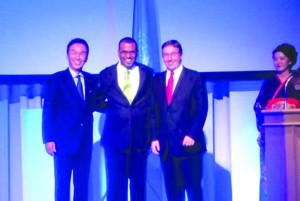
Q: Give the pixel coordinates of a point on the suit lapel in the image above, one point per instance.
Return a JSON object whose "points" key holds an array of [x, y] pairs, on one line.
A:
{"points": [[88, 83], [179, 86], [162, 82], [114, 79], [71, 84], [141, 82], [142, 78], [115, 86]]}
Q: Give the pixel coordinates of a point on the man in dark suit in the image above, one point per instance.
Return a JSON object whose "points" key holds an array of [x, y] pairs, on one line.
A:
{"points": [[125, 89], [68, 123], [180, 108]]}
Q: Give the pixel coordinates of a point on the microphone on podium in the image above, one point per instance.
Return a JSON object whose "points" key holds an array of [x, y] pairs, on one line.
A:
{"points": [[285, 94]]}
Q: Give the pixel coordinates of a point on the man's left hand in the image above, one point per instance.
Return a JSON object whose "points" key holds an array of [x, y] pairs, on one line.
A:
{"points": [[188, 141]]}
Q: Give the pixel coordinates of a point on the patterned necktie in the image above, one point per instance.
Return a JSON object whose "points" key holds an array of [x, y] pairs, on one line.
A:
{"points": [[127, 86], [169, 88], [79, 86]]}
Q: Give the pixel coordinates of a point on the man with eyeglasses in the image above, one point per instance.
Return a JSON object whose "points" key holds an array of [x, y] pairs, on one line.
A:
{"points": [[180, 108], [125, 88]]}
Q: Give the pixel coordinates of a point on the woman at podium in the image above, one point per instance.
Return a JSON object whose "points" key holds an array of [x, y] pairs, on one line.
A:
{"points": [[282, 91]]}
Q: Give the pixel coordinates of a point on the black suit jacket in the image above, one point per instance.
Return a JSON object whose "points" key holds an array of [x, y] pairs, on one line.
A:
{"points": [[67, 118], [126, 125], [185, 115]]}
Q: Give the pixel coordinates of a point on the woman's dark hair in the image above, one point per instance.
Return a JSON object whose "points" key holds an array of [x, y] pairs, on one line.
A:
{"points": [[289, 51]]}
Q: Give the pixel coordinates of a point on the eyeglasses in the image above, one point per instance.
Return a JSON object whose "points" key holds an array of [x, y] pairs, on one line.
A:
{"points": [[127, 52], [172, 54]]}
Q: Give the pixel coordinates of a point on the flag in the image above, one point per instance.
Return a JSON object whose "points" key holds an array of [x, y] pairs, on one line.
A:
{"points": [[146, 34]]}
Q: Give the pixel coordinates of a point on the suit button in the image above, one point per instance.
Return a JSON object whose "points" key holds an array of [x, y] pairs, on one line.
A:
{"points": [[81, 125]]}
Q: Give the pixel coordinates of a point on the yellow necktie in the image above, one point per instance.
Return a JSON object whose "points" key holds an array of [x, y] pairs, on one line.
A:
{"points": [[127, 86]]}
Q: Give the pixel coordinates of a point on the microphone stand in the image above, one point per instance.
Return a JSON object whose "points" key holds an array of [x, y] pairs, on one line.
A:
{"points": [[285, 94]]}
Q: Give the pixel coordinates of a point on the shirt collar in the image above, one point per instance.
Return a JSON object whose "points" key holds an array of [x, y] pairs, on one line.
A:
{"points": [[123, 68], [74, 74], [177, 71]]}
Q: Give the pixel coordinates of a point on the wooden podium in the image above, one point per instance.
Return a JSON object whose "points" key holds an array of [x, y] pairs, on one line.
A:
{"points": [[282, 139]]}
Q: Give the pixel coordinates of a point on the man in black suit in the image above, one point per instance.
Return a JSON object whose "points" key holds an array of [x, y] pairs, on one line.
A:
{"points": [[68, 123], [125, 89], [180, 108]]}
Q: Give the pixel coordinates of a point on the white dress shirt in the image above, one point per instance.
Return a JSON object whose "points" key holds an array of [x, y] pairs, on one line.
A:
{"points": [[74, 74], [134, 77], [176, 76]]}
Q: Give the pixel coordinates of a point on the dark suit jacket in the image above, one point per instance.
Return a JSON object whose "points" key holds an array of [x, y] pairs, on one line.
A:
{"points": [[67, 118], [126, 126], [185, 115]]}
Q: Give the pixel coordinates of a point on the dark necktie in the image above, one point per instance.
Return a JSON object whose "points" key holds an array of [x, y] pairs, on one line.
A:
{"points": [[169, 88], [79, 86]]}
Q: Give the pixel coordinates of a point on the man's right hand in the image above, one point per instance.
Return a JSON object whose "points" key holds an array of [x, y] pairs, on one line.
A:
{"points": [[50, 148]]}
